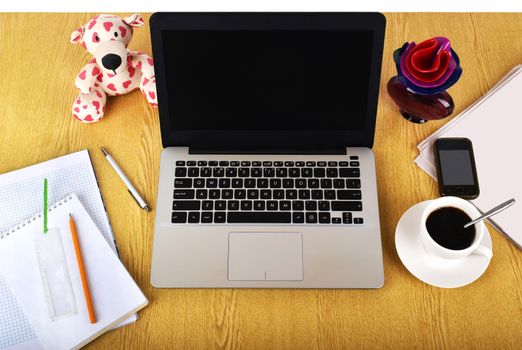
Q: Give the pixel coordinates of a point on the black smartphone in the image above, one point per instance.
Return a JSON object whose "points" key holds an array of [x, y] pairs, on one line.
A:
{"points": [[456, 170]]}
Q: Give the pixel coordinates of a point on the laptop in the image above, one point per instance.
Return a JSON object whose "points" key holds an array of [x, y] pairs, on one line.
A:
{"points": [[267, 177]]}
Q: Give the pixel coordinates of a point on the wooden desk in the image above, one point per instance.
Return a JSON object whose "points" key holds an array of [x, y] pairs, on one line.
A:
{"points": [[37, 70]]}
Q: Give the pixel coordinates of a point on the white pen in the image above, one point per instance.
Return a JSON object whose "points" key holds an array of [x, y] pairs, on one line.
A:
{"points": [[126, 181]]}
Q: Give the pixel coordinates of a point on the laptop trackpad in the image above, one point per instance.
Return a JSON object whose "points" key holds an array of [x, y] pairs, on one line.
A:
{"points": [[265, 256]]}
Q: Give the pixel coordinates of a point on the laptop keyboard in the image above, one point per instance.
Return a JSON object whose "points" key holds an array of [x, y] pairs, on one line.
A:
{"points": [[267, 192]]}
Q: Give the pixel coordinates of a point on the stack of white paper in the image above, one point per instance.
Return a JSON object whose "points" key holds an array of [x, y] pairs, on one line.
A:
{"points": [[494, 125]]}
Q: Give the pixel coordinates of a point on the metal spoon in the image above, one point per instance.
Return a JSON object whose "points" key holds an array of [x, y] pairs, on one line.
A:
{"points": [[489, 213]]}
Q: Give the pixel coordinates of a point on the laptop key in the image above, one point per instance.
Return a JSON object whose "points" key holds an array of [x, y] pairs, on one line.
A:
{"points": [[343, 164], [306, 172], [231, 172], [304, 194], [213, 163], [353, 183], [193, 172], [244, 172], [300, 183], [266, 194], [218, 172], [233, 205], [246, 205], [324, 218], [358, 221], [336, 220], [322, 164], [347, 206], [354, 157], [207, 205], [278, 194], [347, 218], [298, 205], [220, 217], [224, 183], [182, 183], [254, 217], [288, 183], [338, 183], [245, 163], [294, 172], [349, 172], [227, 194], [221, 205], [234, 163], [332, 172], [284, 205], [206, 172], [191, 163], [259, 205], [201, 194], [319, 172], [281, 172], [250, 183], [202, 163], [311, 205], [256, 172], [180, 172], [212, 183], [317, 194], [253, 194], [179, 217], [256, 163], [223, 163], [354, 164], [237, 183], [329, 194], [183, 194], [239, 194], [326, 183], [324, 206], [193, 217], [180, 163], [268, 172], [348, 194], [291, 194], [313, 183], [311, 218], [271, 205], [262, 183], [214, 194], [206, 217], [199, 183], [298, 218], [275, 183]]}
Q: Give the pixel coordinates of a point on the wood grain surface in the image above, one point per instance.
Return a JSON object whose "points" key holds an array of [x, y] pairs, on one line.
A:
{"points": [[37, 70]]}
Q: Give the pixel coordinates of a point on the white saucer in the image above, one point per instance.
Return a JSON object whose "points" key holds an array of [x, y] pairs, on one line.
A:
{"points": [[430, 269]]}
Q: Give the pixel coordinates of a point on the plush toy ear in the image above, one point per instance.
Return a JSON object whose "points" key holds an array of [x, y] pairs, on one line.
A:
{"points": [[77, 35], [134, 20]]}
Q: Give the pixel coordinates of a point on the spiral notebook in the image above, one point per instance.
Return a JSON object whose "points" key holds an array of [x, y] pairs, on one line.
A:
{"points": [[21, 197], [42, 273]]}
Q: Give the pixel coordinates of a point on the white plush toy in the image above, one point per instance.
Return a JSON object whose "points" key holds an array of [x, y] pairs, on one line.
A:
{"points": [[114, 70]]}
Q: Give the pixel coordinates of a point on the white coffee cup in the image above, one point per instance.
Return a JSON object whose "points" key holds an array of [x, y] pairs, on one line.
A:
{"points": [[436, 249]]}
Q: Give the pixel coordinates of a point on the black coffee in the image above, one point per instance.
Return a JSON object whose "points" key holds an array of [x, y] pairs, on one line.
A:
{"points": [[446, 227]]}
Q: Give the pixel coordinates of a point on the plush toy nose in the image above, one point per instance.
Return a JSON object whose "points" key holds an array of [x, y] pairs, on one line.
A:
{"points": [[111, 61]]}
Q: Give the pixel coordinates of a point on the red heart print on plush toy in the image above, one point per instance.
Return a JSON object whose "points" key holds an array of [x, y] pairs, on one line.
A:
{"points": [[114, 70]]}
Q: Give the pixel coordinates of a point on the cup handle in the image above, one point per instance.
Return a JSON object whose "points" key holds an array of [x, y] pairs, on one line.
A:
{"points": [[485, 251]]}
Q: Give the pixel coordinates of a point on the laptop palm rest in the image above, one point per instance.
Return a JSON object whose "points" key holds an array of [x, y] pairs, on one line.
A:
{"points": [[255, 256]]}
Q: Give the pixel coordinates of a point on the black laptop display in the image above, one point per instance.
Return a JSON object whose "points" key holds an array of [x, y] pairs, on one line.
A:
{"points": [[249, 83]]}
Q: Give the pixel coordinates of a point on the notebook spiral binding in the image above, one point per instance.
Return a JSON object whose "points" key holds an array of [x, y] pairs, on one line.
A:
{"points": [[6, 234]]}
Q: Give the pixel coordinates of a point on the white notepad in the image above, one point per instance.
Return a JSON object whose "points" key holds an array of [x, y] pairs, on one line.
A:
{"points": [[65, 324], [494, 126]]}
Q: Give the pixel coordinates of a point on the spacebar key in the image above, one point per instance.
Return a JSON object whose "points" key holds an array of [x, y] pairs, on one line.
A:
{"points": [[258, 218]]}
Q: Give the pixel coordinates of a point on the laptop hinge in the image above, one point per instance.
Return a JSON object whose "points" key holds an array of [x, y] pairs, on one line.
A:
{"points": [[214, 150]]}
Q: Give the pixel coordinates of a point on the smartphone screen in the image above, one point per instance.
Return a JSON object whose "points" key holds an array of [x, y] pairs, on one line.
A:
{"points": [[456, 169]]}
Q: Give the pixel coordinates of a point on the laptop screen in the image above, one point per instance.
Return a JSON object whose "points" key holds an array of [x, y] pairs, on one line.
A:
{"points": [[261, 80]]}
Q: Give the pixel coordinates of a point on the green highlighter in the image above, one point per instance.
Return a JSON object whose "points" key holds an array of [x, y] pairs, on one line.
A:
{"points": [[45, 206]]}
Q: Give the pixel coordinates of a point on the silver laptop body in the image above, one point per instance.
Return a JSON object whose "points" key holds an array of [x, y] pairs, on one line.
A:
{"points": [[252, 211]]}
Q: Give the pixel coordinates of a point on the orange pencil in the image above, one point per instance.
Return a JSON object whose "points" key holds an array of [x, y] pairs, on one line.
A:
{"points": [[83, 275]]}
